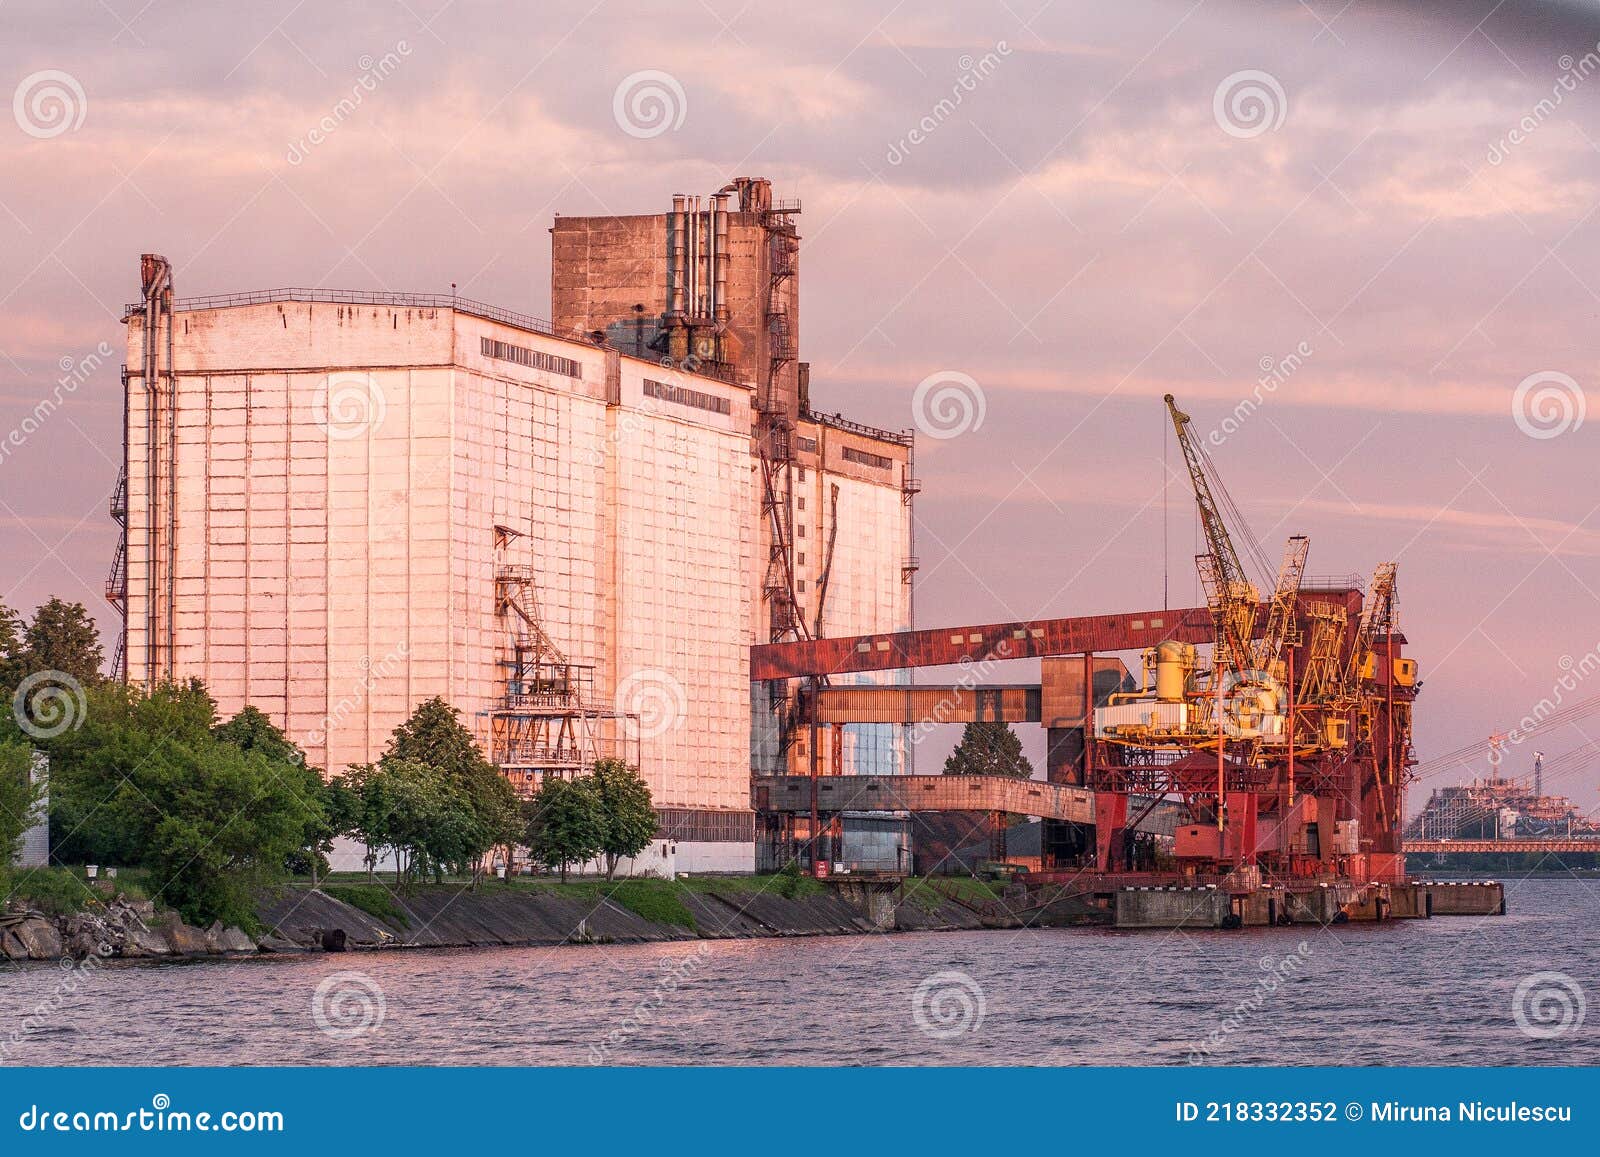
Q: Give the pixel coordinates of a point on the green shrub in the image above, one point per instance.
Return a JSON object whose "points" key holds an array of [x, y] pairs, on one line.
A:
{"points": [[373, 899], [54, 891], [654, 900]]}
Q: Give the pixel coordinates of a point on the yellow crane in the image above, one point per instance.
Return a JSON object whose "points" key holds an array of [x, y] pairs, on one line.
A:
{"points": [[1231, 595]]}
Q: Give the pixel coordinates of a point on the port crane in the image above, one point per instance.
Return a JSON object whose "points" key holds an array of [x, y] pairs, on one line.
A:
{"points": [[1278, 756]]}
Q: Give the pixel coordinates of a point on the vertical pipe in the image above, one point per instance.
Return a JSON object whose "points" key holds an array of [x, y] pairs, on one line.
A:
{"points": [[151, 501], [1291, 726], [694, 256], [677, 251], [719, 235], [1221, 746], [156, 278], [1088, 717], [816, 834], [1389, 684], [172, 484]]}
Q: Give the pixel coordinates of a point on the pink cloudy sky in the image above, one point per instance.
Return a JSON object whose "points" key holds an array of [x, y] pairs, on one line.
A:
{"points": [[1080, 235]]}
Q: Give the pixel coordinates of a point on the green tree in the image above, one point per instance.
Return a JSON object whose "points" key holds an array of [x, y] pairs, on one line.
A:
{"points": [[412, 810], [146, 782], [62, 637], [341, 810], [627, 813], [12, 648], [989, 749], [435, 736], [564, 824], [251, 730]]}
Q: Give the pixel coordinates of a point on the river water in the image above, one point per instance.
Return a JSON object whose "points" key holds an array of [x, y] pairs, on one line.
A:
{"points": [[1413, 992]]}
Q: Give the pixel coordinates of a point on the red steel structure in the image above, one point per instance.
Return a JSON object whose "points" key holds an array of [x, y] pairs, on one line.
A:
{"points": [[1329, 804], [1285, 750], [954, 646]]}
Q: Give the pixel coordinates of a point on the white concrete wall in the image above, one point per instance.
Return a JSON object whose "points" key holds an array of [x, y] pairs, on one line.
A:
{"points": [[34, 849], [340, 472], [866, 593]]}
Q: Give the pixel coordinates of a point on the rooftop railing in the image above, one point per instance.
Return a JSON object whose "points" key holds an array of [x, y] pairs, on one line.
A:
{"points": [[362, 297]]}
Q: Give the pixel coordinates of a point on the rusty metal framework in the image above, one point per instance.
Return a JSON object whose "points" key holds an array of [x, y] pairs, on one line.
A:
{"points": [[547, 722], [1285, 751]]}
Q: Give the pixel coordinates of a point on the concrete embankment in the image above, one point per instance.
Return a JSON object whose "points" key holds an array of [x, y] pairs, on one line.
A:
{"points": [[298, 919], [1326, 903], [369, 916], [303, 919]]}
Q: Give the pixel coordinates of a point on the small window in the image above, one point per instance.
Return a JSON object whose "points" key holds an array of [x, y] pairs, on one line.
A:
{"points": [[682, 396], [802, 473], [802, 559], [802, 586], [802, 501], [801, 530], [533, 359], [863, 458]]}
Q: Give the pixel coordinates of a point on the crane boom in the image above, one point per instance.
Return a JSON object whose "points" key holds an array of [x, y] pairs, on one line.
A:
{"points": [[1231, 594], [1377, 617], [1281, 615]]}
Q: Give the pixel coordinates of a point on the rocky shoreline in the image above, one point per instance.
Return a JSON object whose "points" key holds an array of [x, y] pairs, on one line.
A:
{"points": [[125, 929]]}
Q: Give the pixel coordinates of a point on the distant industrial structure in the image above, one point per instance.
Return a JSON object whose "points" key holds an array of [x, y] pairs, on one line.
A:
{"points": [[1501, 809], [337, 505]]}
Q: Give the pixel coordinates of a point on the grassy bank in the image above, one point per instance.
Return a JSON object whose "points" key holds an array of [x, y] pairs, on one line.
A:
{"points": [[66, 891]]}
